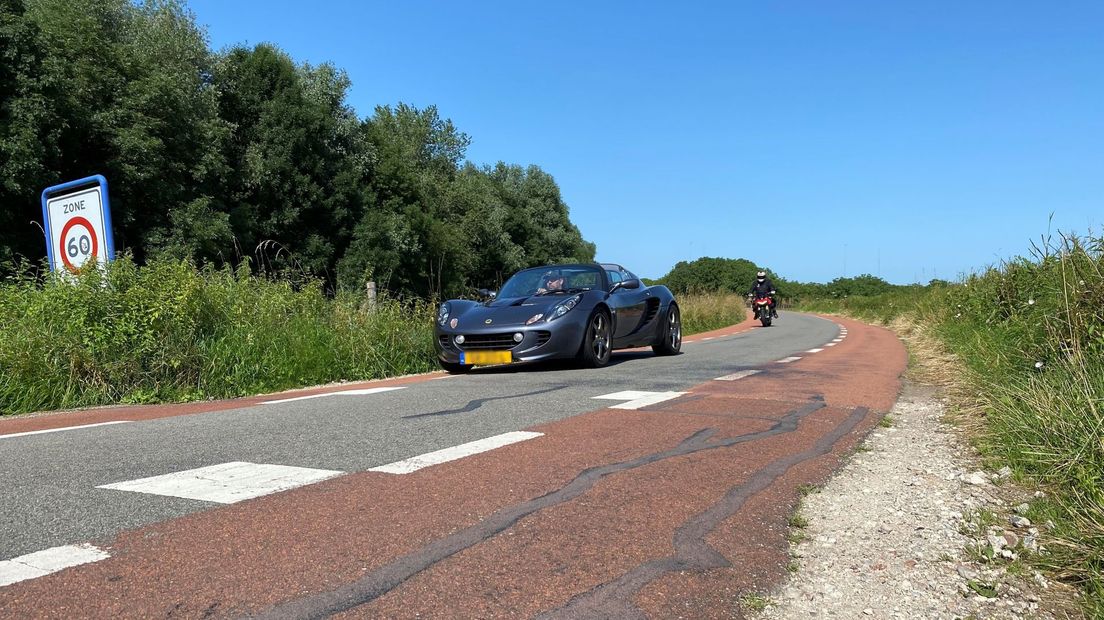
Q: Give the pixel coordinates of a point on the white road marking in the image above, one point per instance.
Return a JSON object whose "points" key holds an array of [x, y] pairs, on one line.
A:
{"points": [[738, 375], [226, 483], [42, 563], [814, 350], [708, 338], [636, 399], [67, 428], [831, 344], [838, 340], [456, 452], [363, 392], [787, 360]]}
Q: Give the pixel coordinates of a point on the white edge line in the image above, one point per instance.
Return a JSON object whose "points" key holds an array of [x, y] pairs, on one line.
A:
{"points": [[787, 360], [445, 455], [646, 401], [47, 561], [831, 344], [362, 392], [66, 428], [814, 350]]}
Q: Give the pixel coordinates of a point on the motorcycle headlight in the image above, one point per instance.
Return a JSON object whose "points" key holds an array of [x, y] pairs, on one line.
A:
{"points": [[563, 307], [443, 313]]}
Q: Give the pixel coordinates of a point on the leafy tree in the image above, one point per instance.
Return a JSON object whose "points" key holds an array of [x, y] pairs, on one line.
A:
{"points": [[106, 86], [538, 219], [406, 237], [714, 274], [297, 155], [864, 285]]}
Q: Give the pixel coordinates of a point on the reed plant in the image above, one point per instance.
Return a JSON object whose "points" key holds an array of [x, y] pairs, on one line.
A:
{"points": [[702, 312]]}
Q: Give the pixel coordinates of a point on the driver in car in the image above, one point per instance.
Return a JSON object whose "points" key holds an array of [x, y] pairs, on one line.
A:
{"points": [[552, 282]]}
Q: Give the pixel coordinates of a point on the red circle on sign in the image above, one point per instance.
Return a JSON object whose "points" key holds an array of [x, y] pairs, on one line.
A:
{"points": [[76, 221]]}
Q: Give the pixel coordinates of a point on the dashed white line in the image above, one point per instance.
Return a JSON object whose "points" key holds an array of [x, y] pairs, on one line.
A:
{"points": [[831, 344], [363, 392], [42, 563], [637, 399], [814, 350], [415, 463], [787, 360], [708, 338], [226, 483], [58, 430], [738, 375]]}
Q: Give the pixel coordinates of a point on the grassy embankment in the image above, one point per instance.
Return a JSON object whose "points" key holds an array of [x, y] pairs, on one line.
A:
{"points": [[171, 332], [1023, 350]]}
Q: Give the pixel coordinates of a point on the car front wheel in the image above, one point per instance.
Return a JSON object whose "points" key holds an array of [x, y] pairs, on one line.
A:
{"points": [[596, 341]]}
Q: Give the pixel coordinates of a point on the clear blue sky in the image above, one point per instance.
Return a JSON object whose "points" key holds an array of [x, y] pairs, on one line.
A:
{"points": [[902, 139]]}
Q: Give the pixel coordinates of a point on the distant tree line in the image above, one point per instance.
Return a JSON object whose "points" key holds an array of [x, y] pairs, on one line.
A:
{"points": [[736, 276], [244, 154]]}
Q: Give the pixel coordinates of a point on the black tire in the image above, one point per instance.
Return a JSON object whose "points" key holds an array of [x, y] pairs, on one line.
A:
{"points": [[595, 351], [765, 318], [454, 369], [670, 342]]}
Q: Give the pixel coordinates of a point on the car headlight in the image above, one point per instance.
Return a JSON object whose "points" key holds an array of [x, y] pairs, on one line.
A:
{"points": [[443, 313], [563, 307]]}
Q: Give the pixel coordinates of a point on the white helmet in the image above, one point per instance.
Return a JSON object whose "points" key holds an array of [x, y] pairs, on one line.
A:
{"points": [[761, 275]]}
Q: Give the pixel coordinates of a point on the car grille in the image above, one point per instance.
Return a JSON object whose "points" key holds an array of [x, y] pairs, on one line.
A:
{"points": [[653, 309], [488, 341], [501, 341], [444, 339]]}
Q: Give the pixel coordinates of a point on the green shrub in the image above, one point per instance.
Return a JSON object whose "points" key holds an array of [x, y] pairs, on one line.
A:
{"points": [[171, 331]]}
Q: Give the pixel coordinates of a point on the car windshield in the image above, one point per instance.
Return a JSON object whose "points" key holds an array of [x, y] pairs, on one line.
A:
{"points": [[551, 280]]}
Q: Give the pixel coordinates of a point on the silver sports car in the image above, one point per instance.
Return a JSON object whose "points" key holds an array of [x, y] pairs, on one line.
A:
{"points": [[579, 311]]}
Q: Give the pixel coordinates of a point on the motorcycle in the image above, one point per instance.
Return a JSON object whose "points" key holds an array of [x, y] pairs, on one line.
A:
{"points": [[762, 308]]}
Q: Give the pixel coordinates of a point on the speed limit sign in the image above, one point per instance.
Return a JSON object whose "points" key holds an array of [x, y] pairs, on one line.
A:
{"points": [[78, 223]]}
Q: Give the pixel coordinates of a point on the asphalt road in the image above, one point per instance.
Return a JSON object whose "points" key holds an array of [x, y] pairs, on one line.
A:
{"points": [[49, 493]]}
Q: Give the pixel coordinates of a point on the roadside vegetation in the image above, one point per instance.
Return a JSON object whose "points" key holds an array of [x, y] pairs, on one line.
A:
{"points": [[1023, 346], [170, 331], [702, 312]]}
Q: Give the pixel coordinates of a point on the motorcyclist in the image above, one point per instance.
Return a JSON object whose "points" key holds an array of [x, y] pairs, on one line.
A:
{"points": [[763, 287]]}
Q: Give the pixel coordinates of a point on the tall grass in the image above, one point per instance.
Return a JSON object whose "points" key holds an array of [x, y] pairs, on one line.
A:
{"points": [[702, 312], [170, 331], [1029, 334]]}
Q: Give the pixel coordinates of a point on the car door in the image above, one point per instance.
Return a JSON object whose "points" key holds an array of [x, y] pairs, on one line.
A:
{"points": [[627, 304]]}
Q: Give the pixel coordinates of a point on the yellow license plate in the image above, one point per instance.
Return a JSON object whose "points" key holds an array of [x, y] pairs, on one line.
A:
{"points": [[474, 358]]}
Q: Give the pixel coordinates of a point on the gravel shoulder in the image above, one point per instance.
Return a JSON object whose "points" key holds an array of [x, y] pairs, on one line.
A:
{"points": [[911, 527]]}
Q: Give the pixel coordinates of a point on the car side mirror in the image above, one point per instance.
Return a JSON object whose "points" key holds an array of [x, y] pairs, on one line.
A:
{"points": [[629, 284]]}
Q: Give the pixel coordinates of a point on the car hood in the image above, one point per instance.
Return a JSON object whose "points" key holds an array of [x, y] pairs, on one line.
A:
{"points": [[509, 311]]}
